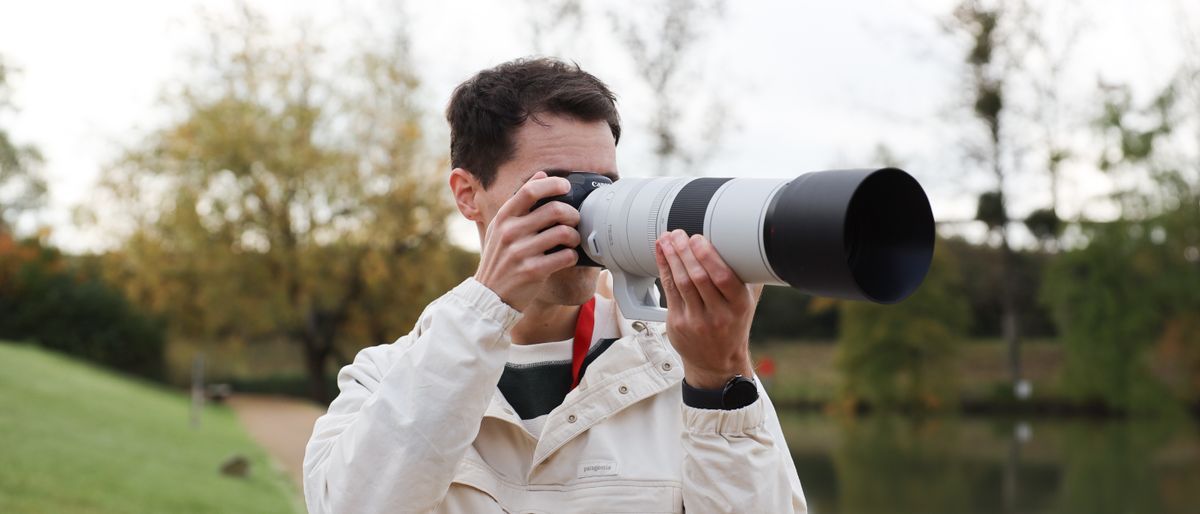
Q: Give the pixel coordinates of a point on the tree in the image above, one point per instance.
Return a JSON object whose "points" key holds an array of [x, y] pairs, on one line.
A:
{"points": [[661, 40], [292, 197], [59, 303], [902, 355], [22, 188], [661, 43], [1006, 58], [1132, 287]]}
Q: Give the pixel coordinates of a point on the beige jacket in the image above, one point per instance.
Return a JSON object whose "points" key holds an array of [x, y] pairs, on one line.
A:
{"points": [[420, 426]]}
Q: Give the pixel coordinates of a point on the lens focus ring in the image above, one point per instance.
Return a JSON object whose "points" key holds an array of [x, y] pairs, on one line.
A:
{"points": [[691, 204]]}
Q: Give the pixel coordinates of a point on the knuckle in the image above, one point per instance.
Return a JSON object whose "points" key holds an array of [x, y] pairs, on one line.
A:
{"points": [[572, 237], [527, 269], [525, 193], [560, 233], [562, 210], [507, 235]]}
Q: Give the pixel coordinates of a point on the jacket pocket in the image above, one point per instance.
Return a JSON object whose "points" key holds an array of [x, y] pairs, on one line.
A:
{"points": [[606, 497]]}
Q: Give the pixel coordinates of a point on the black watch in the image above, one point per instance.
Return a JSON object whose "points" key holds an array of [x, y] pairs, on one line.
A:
{"points": [[738, 392]]}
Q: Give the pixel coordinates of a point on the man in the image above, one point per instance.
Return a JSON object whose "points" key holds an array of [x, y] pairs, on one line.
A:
{"points": [[522, 389]]}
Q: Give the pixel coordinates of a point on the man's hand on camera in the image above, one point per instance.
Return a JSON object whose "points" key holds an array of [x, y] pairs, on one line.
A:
{"points": [[709, 310], [513, 262]]}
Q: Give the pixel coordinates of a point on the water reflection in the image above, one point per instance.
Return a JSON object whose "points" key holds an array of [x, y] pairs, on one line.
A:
{"points": [[895, 464]]}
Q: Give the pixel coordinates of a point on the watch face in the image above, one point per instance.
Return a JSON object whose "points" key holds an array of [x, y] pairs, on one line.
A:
{"points": [[740, 393]]}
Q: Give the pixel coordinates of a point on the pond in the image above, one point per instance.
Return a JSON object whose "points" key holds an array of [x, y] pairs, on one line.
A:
{"points": [[894, 464]]}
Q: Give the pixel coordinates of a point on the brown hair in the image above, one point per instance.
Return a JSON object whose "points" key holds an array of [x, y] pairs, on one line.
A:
{"points": [[486, 110]]}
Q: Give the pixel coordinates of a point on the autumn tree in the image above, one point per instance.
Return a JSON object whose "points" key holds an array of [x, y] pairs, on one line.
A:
{"points": [[22, 188], [292, 196]]}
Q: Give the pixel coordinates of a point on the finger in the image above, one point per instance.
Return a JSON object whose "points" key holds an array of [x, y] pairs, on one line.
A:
{"points": [[664, 273], [679, 275], [545, 264], [539, 243], [537, 187], [723, 277], [516, 229], [696, 271], [553, 213]]}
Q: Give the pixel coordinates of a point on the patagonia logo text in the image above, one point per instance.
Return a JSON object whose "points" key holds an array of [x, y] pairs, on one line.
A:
{"points": [[597, 468]]}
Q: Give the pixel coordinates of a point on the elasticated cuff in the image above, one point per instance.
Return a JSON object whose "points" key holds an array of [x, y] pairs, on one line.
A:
{"points": [[478, 297], [724, 422]]}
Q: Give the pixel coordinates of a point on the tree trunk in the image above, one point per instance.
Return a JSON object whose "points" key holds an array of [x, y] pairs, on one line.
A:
{"points": [[315, 358], [1010, 325]]}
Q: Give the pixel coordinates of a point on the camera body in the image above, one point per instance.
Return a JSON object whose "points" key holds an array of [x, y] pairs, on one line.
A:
{"points": [[582, 185]]}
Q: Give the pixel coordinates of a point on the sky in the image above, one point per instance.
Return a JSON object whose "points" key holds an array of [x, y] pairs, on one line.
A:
{"points": [[810, 85]]}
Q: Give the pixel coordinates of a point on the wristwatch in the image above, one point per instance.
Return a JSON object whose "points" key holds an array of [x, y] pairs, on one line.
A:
{"points": [[738, 392]]}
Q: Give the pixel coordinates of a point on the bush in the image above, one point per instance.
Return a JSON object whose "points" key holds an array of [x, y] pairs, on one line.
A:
{"points": [[980, 269], [903, 354], [787, 314], [44, 301], [1131, 290]]}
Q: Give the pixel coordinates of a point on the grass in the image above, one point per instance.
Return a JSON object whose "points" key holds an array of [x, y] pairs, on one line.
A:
{"points": [[76, 438]]}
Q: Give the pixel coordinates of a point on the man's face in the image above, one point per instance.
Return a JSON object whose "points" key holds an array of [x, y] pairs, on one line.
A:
{"points": [[557, 145]]}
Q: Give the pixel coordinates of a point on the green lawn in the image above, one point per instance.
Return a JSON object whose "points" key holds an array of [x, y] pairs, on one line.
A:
{"points": [[76, 438]]}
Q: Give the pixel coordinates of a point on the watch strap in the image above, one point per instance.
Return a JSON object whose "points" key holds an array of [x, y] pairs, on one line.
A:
{"points": [[735, 395], [703, 398]]}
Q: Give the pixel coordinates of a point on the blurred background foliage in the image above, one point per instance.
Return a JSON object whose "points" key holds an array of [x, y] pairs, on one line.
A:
{"points": [[68, 307], [892, 355], [287, 203]]}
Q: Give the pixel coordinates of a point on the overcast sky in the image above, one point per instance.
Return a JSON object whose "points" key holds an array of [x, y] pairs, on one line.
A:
{"points": [[811, 85]]}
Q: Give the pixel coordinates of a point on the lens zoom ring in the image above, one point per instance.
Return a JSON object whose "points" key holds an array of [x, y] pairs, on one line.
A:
{"points": [[689, 206]]}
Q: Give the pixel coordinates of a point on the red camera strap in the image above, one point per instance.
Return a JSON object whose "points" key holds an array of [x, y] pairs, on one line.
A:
{"points": [[583, 338]]}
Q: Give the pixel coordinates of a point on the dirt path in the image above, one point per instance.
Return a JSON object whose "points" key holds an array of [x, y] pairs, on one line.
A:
{"points": [[281, 425]]}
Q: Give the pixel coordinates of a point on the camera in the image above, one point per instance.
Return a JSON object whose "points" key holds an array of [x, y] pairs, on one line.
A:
{"points": [[861, 234]]}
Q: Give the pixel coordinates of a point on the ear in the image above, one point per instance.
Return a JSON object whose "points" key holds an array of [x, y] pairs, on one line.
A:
{"points": [[466, 187]]}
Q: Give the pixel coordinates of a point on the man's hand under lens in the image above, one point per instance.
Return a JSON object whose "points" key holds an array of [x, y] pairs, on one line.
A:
{"points": [[709, 310]]}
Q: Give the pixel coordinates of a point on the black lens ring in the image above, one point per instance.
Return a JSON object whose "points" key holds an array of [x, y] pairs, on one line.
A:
{"points": [[691, 204]]}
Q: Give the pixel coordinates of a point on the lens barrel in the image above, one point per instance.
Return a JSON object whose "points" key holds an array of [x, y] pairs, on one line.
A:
{"points": [[863, 234]]}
